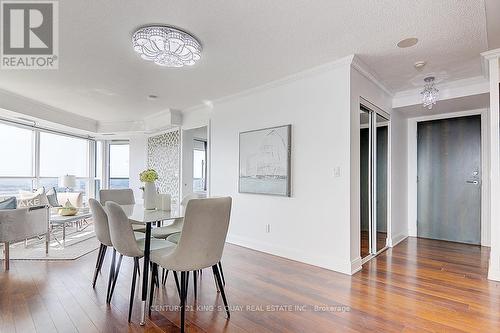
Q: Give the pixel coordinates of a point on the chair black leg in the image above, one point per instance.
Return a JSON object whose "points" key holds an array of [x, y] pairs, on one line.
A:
{"points": [[222, 273], [195, 282], [111, 275], [97, 264], [132, 289], [183, 299], [186, 288], [221, 287], [164, 276], [177, 283], [115, 277], [154, 272], [103, 255], [216, 284]]}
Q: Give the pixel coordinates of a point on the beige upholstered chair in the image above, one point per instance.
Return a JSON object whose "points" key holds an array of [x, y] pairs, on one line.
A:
{"points": [[101, 229], [121, 197], [176, 226], [22, 223], [125, 243], [201, 244]]}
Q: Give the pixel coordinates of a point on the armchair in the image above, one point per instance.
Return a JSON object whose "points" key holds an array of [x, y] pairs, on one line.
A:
{"points": [[19, 224]]}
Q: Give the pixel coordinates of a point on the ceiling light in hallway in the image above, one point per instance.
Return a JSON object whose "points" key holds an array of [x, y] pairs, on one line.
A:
{"points": [[408, 42], [166, 46], [430, 93]]}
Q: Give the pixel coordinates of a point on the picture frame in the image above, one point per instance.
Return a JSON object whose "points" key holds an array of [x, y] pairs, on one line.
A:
{"points": [[265, 161]]}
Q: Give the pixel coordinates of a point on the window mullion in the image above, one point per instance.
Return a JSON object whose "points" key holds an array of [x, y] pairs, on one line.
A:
{"points": [[36, 157]]}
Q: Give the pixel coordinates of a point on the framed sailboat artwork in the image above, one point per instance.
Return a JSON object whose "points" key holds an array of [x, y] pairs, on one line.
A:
{"points": [[264, 161]]}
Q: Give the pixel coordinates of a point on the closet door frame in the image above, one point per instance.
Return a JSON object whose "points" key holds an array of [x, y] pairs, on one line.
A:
{"points": [[373, 111]]}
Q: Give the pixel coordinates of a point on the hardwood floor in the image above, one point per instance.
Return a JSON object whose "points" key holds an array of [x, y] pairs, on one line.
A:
{"points": [[419, 286], [365, 242]]}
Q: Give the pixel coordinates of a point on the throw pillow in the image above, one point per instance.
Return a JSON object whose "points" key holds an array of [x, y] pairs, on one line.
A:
{"points": [[52, 197], [37, 198], [9, 203]]}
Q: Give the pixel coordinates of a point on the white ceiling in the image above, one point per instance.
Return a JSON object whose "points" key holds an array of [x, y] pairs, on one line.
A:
{"points": [[246, 43], [458, 104]]}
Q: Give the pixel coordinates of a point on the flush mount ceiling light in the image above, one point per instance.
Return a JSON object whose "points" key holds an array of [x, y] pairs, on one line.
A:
{"points": [[408, 42], [166, 46], [430, 93]]}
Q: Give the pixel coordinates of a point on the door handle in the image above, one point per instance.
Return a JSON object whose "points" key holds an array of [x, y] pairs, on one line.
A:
{"points": [[475, 182]]}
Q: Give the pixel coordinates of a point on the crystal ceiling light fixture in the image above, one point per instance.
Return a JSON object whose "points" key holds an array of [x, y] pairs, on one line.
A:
{"points": [[430, 93], [166, 46]]}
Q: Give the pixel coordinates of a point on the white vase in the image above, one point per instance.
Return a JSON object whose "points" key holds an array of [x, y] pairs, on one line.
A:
{"points": [[150, 195]]}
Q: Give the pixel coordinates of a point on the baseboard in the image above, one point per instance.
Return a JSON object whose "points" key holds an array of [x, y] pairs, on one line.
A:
{"points": [[493, 272], [292, 254], [356, 265], [397, 239]]}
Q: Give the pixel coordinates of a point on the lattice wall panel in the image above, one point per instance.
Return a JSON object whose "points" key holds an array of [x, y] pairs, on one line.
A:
{"points": [[163, 156]]}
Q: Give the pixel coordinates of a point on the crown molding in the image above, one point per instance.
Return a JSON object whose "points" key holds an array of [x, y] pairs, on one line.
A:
{"points": [[486, 57], [365, 70], [162, 120]]}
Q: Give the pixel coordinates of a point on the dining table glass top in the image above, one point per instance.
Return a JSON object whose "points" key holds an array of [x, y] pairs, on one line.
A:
{"points": [[138, 215]]}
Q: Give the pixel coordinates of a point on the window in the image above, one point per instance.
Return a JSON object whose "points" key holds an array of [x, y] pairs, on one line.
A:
{"points": [[16, 168], [118, 165], [63, 155], [33, 158]]}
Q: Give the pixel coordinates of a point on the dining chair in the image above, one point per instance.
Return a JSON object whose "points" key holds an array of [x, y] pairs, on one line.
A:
{"points": [[200, 246], [176, 225], [122, 197], [174, 228], [174, 238], [101, 229], [125, 243]]}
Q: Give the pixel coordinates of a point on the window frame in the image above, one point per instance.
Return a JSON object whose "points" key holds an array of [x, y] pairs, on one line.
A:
{"points": [[107, 163], [35, 177]]}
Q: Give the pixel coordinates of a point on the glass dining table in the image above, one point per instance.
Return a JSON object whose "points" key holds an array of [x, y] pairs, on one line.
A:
{"points": [[138, 215]]}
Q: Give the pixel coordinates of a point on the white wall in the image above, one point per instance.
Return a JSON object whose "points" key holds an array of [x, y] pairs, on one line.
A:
{"points": [[313, 225], [361, 86], [138, 162], [399, 176], [493, 64]]}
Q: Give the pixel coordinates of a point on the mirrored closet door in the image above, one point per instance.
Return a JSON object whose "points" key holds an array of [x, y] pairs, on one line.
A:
{"points": [[374, 189]]}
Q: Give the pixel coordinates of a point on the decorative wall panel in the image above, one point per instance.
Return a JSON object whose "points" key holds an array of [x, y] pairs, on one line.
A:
{"points": [[163, 156]]}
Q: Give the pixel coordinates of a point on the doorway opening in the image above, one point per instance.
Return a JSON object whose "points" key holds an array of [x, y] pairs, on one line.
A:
{"points": [[374, 180], [195, 161], [449, 179]]}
